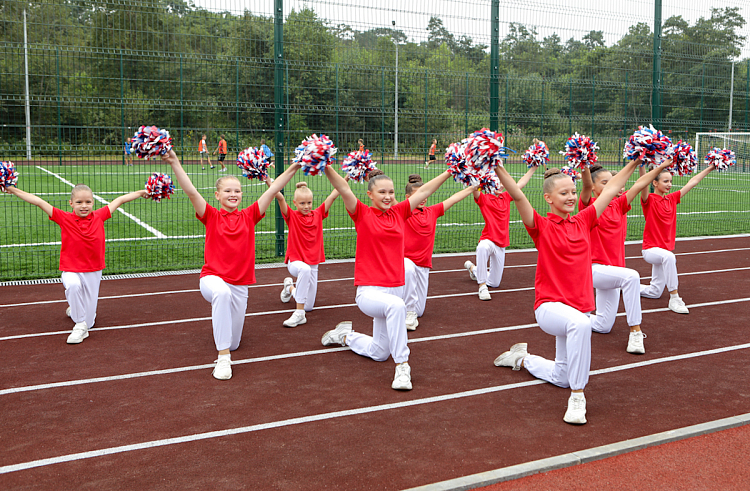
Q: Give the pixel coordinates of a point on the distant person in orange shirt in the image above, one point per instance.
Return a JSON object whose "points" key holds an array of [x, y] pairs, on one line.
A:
{"points": [[431, 155], [361, 145], [222, 149], [203, 151]]}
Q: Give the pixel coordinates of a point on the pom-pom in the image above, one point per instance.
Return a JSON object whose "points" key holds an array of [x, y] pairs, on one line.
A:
{"points": [[722, 159], [684, 160], [572, 172], [484, 150], [159, 186], [489, 182], [8, 174], [462, 172], [314, 154], [150, 141], [254, 163], [357, 165], [536, 155], [648, 144], [580, 151]]}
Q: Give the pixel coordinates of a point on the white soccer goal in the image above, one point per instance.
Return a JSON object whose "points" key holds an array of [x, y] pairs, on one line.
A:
{"points": [[739, 143]]}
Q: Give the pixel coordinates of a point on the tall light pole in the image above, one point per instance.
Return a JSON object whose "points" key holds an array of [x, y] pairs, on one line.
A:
{"points": [[395, 98]]}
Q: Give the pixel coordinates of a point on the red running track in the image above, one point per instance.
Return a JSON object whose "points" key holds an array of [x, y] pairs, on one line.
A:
{"points": [[135, 404]]}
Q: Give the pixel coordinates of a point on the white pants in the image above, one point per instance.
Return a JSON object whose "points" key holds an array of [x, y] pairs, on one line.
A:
{"points": [[572, 331], [608, 281], [415, 290], [388, 312], [306, 287], [487, 250], [82, 293], [663, 272], [228, 306]]}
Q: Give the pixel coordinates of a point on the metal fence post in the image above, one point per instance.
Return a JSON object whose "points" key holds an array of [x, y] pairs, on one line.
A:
{"points": [[122, 107], [466, 111], [541, 126], [237, 105], [337, 105], [593, 102], [382, 113], [59, 136], [182, 118], [703, 87], [278, 51], [570, 109], [426, 145], [494, 66], [507, 93], [656, 74]]}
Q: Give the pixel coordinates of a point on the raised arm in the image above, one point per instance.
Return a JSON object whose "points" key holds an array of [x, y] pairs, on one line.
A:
{"points": [[695, 180], [30, 198], [614, 186], [645, 191], [331, 198], [126, 198], [350, 201], [645, 179], [588, 186], [199, 204], [426, 190], [283, 206], [467, 191], [522, 203], [276, 186], [526, 177]]}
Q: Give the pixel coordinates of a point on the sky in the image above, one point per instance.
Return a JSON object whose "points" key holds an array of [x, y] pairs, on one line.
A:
{"points": [[568, 18]]}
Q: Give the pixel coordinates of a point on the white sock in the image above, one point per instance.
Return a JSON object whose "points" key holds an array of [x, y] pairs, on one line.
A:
{"points": [[674, 295], [227, 356], [577, 395]]}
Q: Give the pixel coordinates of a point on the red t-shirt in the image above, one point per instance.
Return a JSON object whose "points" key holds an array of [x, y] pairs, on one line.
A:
{"points": [[305, 241], [379, 258], [563, 266], [608, 238], [82, 249], [419, 234], [230, 244], [222, 146], [496, 213], [661, 220], [432, 149]]}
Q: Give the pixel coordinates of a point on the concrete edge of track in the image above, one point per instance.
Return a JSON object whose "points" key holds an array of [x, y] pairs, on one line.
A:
{"points": [[583, 456]]}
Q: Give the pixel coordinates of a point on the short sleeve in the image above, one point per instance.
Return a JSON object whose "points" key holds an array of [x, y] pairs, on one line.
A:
{"points": [[588, 216], [103, 213], [438, 210], [57, 216], [358, 211], [676, 196], [539, 224], [254, 212], [322, 210], [403, 209], [288, 215], [624, 205], [210, 212]]}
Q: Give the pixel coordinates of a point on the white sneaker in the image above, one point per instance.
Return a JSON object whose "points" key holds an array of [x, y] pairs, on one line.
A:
{"points": [[223, 170], [338, 335], [297, 318], [470, 268], [80, 332], [513, 357], [576, 413], [411, 321], [677, 305], [67, 311], [402, 380], [484, 293], [223, 368], [635, 343], [286, 292]]}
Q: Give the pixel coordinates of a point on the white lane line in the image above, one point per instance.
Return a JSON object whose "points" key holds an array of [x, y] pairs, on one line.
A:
{"points": [[337, 414], [102, 200], [283, 356]]}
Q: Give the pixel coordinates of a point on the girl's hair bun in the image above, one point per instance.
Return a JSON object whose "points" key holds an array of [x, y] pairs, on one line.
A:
{"points": [[415, 178], [552, 171], [301, 184]]}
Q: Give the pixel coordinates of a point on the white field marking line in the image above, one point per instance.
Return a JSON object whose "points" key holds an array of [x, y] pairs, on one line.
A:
{"points": [[283, 356], [351, 279], [340, 414], [102, 200]]}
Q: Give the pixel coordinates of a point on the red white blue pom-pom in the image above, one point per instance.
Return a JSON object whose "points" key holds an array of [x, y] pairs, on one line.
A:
{"points": [[722, 159], [648, 144], [314, 154], [572, 172], [484, 150], [536, 155], [254, 163], [150, 141], [489, 182], [357, 165], [159, 186], [8, 174], [456, 162], [580, 151], [684, 160]]}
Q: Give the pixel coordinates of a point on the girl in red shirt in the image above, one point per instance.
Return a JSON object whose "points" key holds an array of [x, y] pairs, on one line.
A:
{"points": [[304, 250], [229, 254], [82, 250], [609, 273], [495, 237], [419, 241], [561, 305], [660, 210], [379, 271]]}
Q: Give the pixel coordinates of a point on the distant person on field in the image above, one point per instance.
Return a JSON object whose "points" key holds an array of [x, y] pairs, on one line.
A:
{"points": [[431, 156], [222, 149], [82, 250], [203, 151], [128, 155], [361, 145]]}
